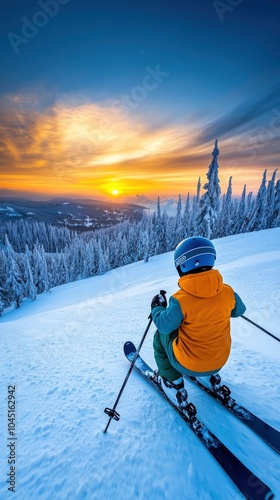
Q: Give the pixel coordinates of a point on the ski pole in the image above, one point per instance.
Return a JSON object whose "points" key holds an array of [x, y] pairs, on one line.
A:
{"points": [[112, 411], [260, 327]]}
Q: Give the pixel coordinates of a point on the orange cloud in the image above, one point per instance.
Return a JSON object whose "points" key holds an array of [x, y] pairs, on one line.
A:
{"points": [[92, 149]]}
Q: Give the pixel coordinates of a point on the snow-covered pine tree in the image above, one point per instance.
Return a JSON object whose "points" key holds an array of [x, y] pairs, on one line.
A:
{"points": [[119, 251], [3, 277], [14, 284], [257, 220], [167, 240], [75, 259], [248, 213], [158, 236], [145, 235], [39, 269], [178, 218], [86, 262], [4, 300], [178, 234], [250, 203], [95, 253], [127, 256], [54, 268], [91, 249], [131, 240], [194, 212], [240, 213], [234, 211], [276, 213], [30, 289], [158, 212], [2, 305], [186, 218], [103, 261], [209, 203], [270, 201], [64, 266], [225, 215], [44, 274]]}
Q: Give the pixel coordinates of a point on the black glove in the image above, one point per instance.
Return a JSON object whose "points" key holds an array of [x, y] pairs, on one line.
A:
{"points": [[159, 300]]}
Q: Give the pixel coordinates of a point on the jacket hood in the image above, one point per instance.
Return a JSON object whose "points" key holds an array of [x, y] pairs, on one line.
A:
{"points": [[206, 284]]}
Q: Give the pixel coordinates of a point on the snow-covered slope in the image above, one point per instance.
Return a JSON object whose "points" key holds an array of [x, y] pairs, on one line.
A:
{"points": [[64, 354]]}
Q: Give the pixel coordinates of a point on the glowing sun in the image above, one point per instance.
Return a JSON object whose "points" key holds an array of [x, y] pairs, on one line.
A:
{"points": [[115, 192]]}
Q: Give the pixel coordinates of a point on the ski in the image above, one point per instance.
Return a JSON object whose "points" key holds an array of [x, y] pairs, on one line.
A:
{"points": [[270, 435], [248, 483]]}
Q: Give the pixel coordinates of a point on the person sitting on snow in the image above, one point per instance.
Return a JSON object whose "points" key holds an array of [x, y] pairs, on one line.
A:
{"points": [[193, 331]]}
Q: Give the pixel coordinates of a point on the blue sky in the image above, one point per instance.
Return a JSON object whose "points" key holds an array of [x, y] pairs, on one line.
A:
{"points": [[222, 62]]}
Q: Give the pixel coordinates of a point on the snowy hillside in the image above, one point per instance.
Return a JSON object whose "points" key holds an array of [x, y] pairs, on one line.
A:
{"points": [[64, 354]]}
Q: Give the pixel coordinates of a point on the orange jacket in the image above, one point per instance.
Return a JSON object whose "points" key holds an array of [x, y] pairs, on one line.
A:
{"points": [[203, 342]]}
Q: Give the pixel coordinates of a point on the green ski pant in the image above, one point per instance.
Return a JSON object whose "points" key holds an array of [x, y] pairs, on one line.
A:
{"points": [[167, 364]]}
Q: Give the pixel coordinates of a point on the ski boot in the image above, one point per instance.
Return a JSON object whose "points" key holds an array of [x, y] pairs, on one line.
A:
{"points": [[222, 390], [175, 391], [215, 381]]}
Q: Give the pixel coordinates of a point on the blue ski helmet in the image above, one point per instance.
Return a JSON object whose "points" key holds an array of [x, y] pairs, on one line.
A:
{"points": [[194, 253]]}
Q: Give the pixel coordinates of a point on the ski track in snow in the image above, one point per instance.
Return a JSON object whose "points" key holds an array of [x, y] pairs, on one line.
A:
{"points": [[64, 353]]}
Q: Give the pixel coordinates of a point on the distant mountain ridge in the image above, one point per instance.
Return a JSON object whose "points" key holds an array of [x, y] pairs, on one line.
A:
{"points": [[75, 214]]}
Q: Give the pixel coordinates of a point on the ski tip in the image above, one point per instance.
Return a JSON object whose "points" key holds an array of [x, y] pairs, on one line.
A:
{"points": [[128, 348]]}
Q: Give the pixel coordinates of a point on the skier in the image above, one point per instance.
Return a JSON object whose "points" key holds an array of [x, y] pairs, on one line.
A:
{"points": [[193, 331]]}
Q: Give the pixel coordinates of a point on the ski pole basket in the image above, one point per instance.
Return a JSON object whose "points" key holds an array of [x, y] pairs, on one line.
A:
{"points": [[112, 413]]}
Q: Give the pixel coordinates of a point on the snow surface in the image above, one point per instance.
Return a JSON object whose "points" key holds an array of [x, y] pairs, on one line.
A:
{"points": [[64, 353]]}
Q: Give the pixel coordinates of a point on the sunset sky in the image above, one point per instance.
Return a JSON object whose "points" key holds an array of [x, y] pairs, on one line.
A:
{"points": [[119, 99]]}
